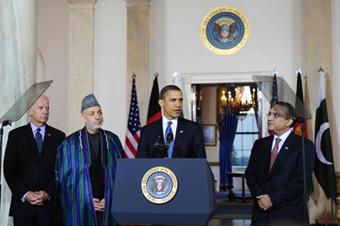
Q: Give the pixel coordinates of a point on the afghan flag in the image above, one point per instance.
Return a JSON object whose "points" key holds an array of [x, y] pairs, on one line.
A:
{"points": [[324, 166], [298, 106], [275, 97], [300, 127], [154, 111]]}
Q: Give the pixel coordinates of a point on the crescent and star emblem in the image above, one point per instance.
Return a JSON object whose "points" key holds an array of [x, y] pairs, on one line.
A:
{"points": [[319, 153]]}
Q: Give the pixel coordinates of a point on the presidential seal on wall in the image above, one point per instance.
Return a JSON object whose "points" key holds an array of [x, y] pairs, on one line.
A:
{"points": [[225, 30], [159, 185]]}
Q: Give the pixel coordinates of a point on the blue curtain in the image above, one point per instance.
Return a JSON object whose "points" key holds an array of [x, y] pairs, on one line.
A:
{"points": [[227, 129]]}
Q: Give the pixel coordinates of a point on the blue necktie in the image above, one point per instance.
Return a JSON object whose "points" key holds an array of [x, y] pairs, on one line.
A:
{"points": [[38, 140], [171, 144]]}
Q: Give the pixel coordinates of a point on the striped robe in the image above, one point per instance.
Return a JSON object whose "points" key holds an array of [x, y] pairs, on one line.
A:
{"points": [[74, 194]]}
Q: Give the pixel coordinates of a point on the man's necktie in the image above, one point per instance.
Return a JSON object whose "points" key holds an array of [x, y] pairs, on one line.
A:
{"points": [[38, 140], [275, 152], [169, 138]]}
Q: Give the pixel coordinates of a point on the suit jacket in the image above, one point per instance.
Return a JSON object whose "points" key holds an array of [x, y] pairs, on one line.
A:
{"points": [[27, 170], [284, 183], [188, 140]]}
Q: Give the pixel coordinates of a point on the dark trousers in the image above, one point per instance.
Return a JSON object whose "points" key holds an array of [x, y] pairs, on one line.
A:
{"points": [[99, 216], [33, 221]]}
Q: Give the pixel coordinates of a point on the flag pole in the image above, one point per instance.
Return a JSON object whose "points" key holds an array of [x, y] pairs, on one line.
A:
{"points": [[325, 218], [298, 73]]}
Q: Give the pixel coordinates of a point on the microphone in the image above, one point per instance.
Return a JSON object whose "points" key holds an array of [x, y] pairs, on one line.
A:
{"points": [[169, 138], [160, 148]]}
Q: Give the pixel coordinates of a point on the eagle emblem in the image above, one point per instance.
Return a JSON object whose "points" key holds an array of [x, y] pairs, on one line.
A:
{"points": [[225, 30]]}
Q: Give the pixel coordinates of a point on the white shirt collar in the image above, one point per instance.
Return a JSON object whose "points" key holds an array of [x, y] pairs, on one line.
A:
{"points": [[283, 138], [173, 125], [42, 129]]}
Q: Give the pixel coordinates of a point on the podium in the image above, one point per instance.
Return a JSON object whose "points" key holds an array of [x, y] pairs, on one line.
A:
{"points": [[192, 204]]}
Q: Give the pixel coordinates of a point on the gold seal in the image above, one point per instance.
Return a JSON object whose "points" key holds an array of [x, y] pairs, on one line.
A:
{"points": [[159, 185], [225, 30]]}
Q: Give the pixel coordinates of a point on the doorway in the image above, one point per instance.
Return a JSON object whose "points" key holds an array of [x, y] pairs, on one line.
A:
{"points": [[193, 108]]}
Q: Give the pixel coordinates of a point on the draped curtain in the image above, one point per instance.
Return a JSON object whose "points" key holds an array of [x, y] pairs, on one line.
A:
{"points": [[227, 130], [12, 78]]}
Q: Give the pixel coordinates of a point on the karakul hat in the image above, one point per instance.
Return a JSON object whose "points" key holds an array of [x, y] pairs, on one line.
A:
{"points": [[89, 101]]}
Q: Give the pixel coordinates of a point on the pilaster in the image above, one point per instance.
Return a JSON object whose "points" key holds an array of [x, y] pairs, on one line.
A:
{"points": [[317, 52], [81, 80], [138, 51]]}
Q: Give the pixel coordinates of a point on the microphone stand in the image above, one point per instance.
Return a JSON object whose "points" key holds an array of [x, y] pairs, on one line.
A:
{"points": [[162, 147], [3, 124]]}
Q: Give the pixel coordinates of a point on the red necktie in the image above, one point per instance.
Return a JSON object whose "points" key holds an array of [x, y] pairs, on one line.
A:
{"points": [[274, 154]]}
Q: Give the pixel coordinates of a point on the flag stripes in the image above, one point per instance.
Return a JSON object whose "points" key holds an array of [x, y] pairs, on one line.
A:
{"points": [[154, 111], [300, 128], [133, 128]]}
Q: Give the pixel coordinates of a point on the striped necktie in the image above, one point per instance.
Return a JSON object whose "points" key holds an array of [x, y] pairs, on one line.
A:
{"points": [[274, 154]]}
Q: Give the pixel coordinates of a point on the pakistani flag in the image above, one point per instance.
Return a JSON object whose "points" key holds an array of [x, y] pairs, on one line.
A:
{"points": [[324, 168]]}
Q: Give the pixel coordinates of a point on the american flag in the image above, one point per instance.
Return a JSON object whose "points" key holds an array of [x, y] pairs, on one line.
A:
{"points": [[133, 127]]}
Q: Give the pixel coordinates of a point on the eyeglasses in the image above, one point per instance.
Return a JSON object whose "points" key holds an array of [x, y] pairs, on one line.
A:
{"points": [[275, 115]]}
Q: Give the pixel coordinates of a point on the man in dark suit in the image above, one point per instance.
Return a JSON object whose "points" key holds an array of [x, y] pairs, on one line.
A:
{"points": [[277, 172], [29, 168], [180, 137]]}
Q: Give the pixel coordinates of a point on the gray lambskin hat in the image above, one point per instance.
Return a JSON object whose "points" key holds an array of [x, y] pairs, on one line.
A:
{"points": [[89, 101]]}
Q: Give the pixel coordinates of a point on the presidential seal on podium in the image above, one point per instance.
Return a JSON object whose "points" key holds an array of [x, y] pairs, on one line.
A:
{"points": [[225, 30], [159, 185]]}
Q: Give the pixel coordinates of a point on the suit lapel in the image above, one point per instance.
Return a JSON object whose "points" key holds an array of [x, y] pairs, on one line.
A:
{"points": [[268, 151], [47, 139], [179, 137], [31, 140], [159, 128]]}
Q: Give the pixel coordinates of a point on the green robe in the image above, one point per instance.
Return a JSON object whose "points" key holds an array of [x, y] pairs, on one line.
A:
{"points": [[74, 194]]}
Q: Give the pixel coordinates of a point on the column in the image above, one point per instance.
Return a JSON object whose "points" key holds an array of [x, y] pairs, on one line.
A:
{"points": [[317, 52], [138, 52], [81, 80], [17, 72]]}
